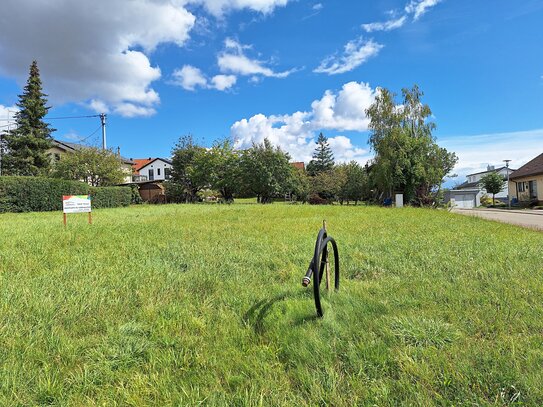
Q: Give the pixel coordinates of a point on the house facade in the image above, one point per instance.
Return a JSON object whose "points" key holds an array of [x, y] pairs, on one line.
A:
{"points": [[526, 183], [469, 194], [61, 148], [152, 169]]}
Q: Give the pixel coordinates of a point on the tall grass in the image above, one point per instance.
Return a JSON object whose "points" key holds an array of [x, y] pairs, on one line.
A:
{"points": [[189, 305]]}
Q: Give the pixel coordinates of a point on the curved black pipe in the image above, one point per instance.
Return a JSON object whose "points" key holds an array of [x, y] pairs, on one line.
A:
{"points": [[317, 267]]}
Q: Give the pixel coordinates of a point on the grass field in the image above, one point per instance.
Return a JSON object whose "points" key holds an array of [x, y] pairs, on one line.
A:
{"points": [[190, 305]]}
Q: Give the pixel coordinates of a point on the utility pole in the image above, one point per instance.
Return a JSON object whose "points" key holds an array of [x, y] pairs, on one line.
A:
{"points": [[103, 120], [508, 195]]}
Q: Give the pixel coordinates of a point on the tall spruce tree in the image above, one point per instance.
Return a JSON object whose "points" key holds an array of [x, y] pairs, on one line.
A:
{"points": [[27, 145], [323, 158]]}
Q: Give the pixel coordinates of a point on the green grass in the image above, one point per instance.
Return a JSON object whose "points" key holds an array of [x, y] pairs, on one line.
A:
{"points": [[189, 305]]}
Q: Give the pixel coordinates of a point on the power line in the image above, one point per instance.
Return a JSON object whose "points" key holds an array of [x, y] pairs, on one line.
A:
{"points": [[71, 117]]}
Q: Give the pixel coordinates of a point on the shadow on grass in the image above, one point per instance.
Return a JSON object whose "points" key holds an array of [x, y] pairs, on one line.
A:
{"points": [[256, 315]]}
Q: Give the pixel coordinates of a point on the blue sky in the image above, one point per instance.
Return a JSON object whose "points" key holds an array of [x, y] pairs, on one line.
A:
{"points": [[282, 69]]}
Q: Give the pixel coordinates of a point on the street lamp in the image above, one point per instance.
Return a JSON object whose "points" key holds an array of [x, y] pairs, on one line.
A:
{"points": [[508, 195]]}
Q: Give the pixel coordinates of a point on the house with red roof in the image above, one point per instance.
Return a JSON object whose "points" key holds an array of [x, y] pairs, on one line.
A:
{"points": [[526, 183], [152, 169]]}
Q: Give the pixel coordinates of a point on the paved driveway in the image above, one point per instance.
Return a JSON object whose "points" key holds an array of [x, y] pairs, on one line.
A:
{"points": [[526, 218]]}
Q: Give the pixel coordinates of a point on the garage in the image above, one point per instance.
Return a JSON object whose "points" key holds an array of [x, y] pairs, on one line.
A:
{"points": [[464, 199]]}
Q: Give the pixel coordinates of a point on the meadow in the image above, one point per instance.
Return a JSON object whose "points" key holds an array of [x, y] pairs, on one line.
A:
{"points": [[203, 305]]}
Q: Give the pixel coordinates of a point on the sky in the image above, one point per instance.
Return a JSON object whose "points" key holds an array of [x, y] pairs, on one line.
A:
{"points": [[282, 69]]}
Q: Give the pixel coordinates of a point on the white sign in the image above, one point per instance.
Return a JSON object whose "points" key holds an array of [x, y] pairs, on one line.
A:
{"points": [[399, 200], [76, 203]]}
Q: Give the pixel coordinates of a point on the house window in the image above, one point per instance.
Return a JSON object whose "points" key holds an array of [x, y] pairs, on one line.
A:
{"points": [[57, 157], [520, 187], [167, 173], [151, 175], [158, 172]]}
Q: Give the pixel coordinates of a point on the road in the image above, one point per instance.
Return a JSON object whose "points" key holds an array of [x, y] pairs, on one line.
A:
{"points": [[528, 219]]}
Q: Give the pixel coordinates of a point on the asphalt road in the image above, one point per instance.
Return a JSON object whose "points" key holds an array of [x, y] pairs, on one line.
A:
{"points": [[526, 219]]}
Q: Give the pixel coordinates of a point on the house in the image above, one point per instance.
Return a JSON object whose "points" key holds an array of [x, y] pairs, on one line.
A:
{"points": [[299, 165], [526, 183], [61, 148], [468, 194], [152, 169]]}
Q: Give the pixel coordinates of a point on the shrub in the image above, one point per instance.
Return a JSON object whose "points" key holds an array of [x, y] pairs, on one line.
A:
{"points": [[37, 194], [316, 199], [486, 200]]}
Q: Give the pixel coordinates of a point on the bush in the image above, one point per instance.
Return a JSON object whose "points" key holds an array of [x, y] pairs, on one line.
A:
{"points": [[37, 194], [316, 199], [486, 200]]}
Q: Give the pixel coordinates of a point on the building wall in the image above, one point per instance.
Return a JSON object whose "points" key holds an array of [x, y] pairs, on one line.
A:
{"points": [[525, 195], [502, 172], [159, 170]]}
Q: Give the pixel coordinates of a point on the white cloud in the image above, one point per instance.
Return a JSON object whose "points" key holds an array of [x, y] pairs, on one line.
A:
{"points": [[317, 7], [420, 7], [7, 112], [219, 7], [476, 152], [234, 61], [223, 82], [385, 26], [335, 111], [356, 52], [98, 53], [85, 50], [189, 78]]}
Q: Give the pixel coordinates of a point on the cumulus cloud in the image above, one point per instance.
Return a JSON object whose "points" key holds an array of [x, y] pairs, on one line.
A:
{"points": [[234, 61], [98, 53], [296, 133], [191, 78], [385, 26], [7, 119], [419, 7], [355, 53], [223, 82]]}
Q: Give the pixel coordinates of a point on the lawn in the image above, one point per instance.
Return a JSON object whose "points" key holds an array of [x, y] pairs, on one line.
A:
{"points": [[203, 304]]}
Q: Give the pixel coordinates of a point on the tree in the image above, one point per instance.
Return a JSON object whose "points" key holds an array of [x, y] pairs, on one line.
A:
{"points": [[95, 166], [407, 157], [323, 158], [355, 186], [26, 146], [326, 185], [266, 171], [300, 185], [221, 163], [493, 183], [192, 178]]}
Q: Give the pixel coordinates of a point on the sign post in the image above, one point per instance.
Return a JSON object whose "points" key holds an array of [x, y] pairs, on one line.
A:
{"points": [[76, 204]]}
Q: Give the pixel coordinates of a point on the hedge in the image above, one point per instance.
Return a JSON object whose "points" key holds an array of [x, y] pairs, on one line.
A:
{"points": [[37, 194]]}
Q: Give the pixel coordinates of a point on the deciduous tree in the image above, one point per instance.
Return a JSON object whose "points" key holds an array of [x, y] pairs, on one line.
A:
{"points": [[493, 183]]}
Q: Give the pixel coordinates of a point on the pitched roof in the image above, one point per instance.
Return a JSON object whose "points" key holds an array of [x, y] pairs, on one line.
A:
{"points": [[534, 167], [300, 165], [144, 162], [65, 145], [139, 163]]}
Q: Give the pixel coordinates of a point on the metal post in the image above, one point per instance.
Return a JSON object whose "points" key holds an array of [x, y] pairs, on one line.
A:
{"points": [[508, 194], [103, 120]]}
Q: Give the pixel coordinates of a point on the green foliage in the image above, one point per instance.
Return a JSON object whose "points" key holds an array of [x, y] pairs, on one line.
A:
{"points": [[221, 166], [175, 193], [323, 158], [94, 166], [300, 186], [355, 186], [493, 183], [486, 200], [187, 170], [25, 147], [327, 184], [213, 313], [407, 158], [37, 194], [266, 171], [135, 195]]}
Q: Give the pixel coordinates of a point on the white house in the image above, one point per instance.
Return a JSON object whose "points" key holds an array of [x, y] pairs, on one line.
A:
{"points": [[152, 169], [468, 194]]}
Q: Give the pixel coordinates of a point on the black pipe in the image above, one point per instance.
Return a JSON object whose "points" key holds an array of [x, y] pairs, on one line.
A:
{"points": [[317, 266]]}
